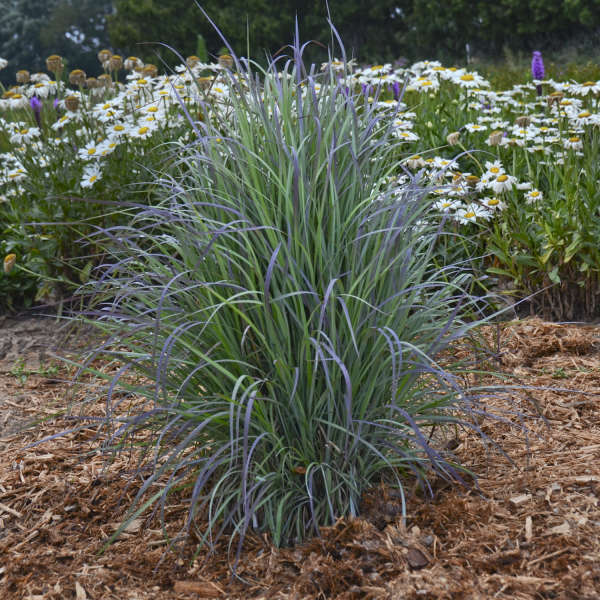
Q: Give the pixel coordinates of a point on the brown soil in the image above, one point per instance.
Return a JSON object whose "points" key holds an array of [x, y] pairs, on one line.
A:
{"points": [[532, 530]]}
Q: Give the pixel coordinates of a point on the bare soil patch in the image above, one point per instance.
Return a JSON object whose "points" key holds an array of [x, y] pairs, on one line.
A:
{"points": [[532, 530]]}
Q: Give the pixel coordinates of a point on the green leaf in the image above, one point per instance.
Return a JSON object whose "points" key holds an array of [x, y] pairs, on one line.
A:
{"points": [[553, 275], [84, 275], [573, 247]]}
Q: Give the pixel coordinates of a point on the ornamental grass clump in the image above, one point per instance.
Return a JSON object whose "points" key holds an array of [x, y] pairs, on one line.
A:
{"points": [[283, 305]]}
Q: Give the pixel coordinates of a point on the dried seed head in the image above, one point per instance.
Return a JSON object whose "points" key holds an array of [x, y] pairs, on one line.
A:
{"points": [[131, 62], [226, 61], [72, 103], [150, 70], [555, 97], [452, 138], [205, 82], [54, 63], [495, 138], [523, 121], [115, 63], [105, 80], [192, 61], [22, 76], [104, 56], [77, 77]]}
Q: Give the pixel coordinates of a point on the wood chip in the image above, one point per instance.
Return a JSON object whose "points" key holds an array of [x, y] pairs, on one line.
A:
{"points": [[10, 510], [562, 529], [416, 559], [520, 500], [547, 556], [586, 479], [80, 592], [201, 589], [528, 528], [132, 527]]}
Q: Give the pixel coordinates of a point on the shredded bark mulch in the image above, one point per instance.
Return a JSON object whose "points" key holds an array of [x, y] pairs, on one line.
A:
{"points": [[531, 529]]}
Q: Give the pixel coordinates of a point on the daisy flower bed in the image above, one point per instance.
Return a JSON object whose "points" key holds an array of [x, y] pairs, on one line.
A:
{"points": [[514, 172]]}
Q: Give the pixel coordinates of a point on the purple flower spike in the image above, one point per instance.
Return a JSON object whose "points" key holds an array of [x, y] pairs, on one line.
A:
{"points": [[537, 70], [537, 66], [36, 104], [36, 107]]}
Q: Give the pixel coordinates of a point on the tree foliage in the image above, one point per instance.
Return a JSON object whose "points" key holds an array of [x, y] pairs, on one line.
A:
{"points": [[443, 28], [252, 28], [30, 30], [378, 30]]}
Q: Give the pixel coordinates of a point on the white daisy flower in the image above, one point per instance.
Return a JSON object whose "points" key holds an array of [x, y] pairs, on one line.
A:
{"points": [[448, 205], [117, 130], [62, 121], [90, 176], [405, 136], [475, 127], [493, 169], [583, 89], [107, 147], [502, 183], [15, 175], [493, 203], [17, 101], [424, 84], [22, 136], [573, 143], [89, 151], [142, 131], [533, 196], [415, 162], [472, 213]]}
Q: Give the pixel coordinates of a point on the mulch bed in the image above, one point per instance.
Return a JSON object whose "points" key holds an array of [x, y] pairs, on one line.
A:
{"points": [[532, 530]]}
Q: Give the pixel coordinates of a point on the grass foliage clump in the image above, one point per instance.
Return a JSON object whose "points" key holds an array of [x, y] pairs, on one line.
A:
{"points": [[283, 307]]}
